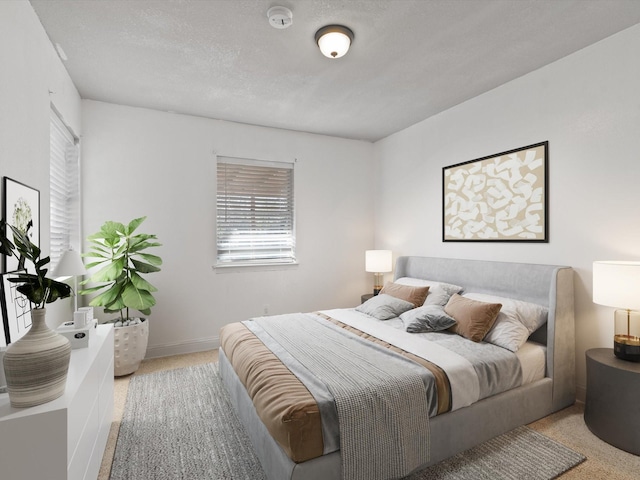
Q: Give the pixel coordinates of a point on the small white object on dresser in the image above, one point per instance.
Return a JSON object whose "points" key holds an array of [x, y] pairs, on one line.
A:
{"points": [[64, 438]]}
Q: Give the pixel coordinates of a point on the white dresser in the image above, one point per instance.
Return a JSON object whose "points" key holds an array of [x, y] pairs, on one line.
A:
{"points": [[64, 438]]}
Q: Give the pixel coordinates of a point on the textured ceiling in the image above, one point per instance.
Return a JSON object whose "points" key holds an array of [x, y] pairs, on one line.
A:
{"points": [[410, 59]]}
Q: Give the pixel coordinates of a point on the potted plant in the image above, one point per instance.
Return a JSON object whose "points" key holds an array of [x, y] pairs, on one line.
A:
{"points": [[35, 365], [120, 254]]}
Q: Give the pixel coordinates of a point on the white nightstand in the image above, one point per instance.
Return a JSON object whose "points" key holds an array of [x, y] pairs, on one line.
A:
{"points": [[64, 438]]}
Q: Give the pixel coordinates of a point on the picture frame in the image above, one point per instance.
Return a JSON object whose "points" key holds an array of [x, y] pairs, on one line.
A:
{"points": [[16, 310], [21, 206], [498, 198]]}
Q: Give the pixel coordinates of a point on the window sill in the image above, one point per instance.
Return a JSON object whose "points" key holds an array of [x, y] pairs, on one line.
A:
{"points": [[246, 267]]}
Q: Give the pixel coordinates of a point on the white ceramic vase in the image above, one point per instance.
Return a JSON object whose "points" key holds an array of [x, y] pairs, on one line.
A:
{"points": [[36, 365], [129, 347]]}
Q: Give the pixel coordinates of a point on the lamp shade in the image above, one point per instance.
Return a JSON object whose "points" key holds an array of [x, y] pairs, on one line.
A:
{"points": [[617, 284], [378, 261], [334, 40], [70, 265]]}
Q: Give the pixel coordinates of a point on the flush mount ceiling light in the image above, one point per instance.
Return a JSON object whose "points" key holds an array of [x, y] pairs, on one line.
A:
{"points": [[334, 40]]}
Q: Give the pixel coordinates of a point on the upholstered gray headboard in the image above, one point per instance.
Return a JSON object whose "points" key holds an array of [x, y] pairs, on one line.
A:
{"points": [[548, 285]]}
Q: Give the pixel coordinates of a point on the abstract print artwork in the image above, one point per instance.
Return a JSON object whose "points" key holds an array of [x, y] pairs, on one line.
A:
{"points": [[501, 197], [16, 311], [21, 209]]}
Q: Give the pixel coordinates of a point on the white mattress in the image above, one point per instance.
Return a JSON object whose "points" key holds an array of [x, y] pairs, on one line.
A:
{"points": [[533, 360]]}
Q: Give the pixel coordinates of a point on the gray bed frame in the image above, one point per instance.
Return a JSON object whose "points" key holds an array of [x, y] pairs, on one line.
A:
{"points": [[462, 429]]}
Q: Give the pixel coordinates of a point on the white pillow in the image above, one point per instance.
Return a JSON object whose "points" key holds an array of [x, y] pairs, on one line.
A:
{"points": [[515, 322], [439, 292], [414, 282]]}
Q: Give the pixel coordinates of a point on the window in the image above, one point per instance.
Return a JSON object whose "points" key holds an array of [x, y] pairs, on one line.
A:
{"points": [[64, 190], [255, 212]]}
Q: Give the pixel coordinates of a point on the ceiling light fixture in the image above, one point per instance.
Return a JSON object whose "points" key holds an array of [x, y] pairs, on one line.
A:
{"points": [[334, 40]]}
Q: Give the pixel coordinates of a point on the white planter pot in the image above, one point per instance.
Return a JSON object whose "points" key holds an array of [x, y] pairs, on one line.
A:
{"points": [[129, 347]]}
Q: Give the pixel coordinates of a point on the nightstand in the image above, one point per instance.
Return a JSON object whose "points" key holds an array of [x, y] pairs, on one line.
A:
{"points": [[365, 297], [612, 410]]}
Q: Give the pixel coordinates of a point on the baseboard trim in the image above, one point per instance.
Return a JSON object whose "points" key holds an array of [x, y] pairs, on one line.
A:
{"points": [[178, 348]]}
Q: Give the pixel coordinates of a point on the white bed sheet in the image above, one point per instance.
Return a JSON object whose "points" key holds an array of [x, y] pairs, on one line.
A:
{"points": [[532, 356], [533, 361]]}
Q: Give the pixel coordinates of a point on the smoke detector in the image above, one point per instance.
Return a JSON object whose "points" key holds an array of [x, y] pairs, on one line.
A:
{"points": [[280, 17]]}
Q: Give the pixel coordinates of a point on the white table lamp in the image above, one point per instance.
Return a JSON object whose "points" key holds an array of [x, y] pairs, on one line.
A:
{"points": [[617, 284], [70, 265], [378, 262]]}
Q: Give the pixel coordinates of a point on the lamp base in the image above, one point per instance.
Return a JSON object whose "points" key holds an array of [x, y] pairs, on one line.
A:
{"points": [[376, 290], [627, 347]]}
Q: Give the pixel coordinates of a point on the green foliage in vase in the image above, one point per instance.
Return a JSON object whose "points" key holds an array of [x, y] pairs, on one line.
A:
{"points": [[121, 256], [37, 287]]}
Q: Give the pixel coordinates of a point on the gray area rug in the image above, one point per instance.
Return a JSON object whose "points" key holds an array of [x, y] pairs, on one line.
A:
{"points": [[179, 424]]}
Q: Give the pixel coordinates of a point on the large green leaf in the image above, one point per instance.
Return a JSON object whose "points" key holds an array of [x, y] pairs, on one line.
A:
{"points": [[110, 272], [95, 264], [98, 249], [26, 249], [42, 262], [33, 292], [133, 224], [121, 250], [152, 259], [87, 291], [112, 229], [107, 297], [6, 246], [143, 267], [136, 298], [56, 290], [97, 237], [141, 284], [143, 246], [115, 306]]}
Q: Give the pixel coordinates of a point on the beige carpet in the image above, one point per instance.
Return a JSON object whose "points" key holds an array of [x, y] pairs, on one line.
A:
{"points": [[567, 427]]}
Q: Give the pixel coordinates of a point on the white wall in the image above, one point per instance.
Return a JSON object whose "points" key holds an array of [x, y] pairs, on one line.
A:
{"points": [[32, 79], [587, 106], [142, 162]]}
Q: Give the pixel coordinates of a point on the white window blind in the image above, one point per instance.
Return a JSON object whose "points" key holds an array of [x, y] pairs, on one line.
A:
{"points": [[64, 190], [255, 212]]}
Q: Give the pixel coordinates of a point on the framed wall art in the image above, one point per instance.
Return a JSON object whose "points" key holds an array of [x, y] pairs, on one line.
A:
{"points": [[21, 207], [16, 310], [499, 198]]}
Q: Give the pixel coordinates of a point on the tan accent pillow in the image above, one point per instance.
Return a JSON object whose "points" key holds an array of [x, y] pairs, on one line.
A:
{"points": [[474, 318], [415, 295]]}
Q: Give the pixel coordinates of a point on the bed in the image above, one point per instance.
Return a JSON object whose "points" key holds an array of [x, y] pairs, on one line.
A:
{"points": [[453, 424]]}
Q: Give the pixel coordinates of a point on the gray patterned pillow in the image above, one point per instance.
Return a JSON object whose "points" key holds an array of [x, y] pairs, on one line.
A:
{"points": [[384, 307], [440, 293], [428, 318]]}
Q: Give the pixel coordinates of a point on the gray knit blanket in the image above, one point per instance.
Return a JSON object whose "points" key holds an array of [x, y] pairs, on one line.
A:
{"points": [[381, 402]]}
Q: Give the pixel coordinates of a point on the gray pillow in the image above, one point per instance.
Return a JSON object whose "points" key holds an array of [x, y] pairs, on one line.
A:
{"points": [[440, 293], [428, 318], [384, 307]]}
